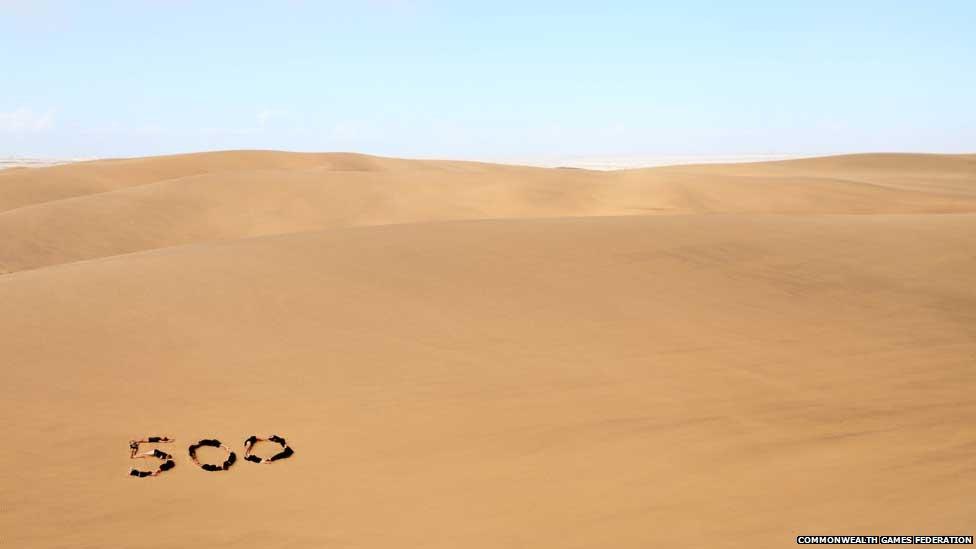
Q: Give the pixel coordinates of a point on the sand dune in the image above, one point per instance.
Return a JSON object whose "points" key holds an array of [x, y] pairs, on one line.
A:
{"points": [[705, 356], [24, 187], [142, 204], [946, 174]]}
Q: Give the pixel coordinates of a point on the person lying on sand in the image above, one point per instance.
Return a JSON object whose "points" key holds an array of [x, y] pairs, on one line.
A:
{"points": [[134, 444]]}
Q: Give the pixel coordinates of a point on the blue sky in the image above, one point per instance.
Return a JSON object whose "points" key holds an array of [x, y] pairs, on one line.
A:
{"points": [[489, 80]]}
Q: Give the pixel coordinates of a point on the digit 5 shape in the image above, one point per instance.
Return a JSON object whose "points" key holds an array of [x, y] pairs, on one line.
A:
{"points": [[167, 459]]}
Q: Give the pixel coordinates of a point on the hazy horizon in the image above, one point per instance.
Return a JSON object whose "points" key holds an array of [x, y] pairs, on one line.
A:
{"points": [[580, 161], [597, 163]]}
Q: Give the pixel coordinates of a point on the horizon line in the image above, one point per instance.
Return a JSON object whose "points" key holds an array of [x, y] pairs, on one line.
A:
{"points": [[584, 162]]}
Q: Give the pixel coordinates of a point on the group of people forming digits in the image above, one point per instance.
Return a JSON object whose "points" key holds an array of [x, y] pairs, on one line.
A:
{"points": [[168, 463]]}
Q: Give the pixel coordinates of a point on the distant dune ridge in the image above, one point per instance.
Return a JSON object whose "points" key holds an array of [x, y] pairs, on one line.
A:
{"points": [[472, 355], [96, 209]]}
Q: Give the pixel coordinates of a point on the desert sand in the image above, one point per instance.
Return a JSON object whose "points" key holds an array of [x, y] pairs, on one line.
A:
{"points": [[472, 355]]}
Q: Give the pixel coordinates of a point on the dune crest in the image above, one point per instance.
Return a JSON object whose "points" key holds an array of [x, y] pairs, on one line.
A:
{"points": [[96, 209]]}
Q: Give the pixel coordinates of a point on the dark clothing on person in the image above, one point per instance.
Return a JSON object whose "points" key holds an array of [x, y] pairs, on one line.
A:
{"points": [[283, 454]]}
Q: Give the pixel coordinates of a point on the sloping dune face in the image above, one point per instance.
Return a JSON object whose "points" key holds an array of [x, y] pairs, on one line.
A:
{"points": [[468, 355]]}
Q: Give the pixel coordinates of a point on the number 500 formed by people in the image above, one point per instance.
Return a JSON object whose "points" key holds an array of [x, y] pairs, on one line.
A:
{"points": [[168, 462]]}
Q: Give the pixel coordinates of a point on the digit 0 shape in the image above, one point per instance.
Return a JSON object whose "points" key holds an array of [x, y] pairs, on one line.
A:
{"points": [[249, 443], [231, 456], [167, 460]]}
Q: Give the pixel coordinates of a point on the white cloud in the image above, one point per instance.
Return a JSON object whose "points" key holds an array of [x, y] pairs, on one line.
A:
{"points": [[24, 120]]}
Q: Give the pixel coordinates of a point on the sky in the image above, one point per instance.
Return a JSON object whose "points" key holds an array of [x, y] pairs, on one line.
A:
{"points": [[487, 80]]}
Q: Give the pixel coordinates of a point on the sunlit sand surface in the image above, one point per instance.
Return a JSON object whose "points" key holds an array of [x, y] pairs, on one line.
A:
{"points": [[474, 355]]}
